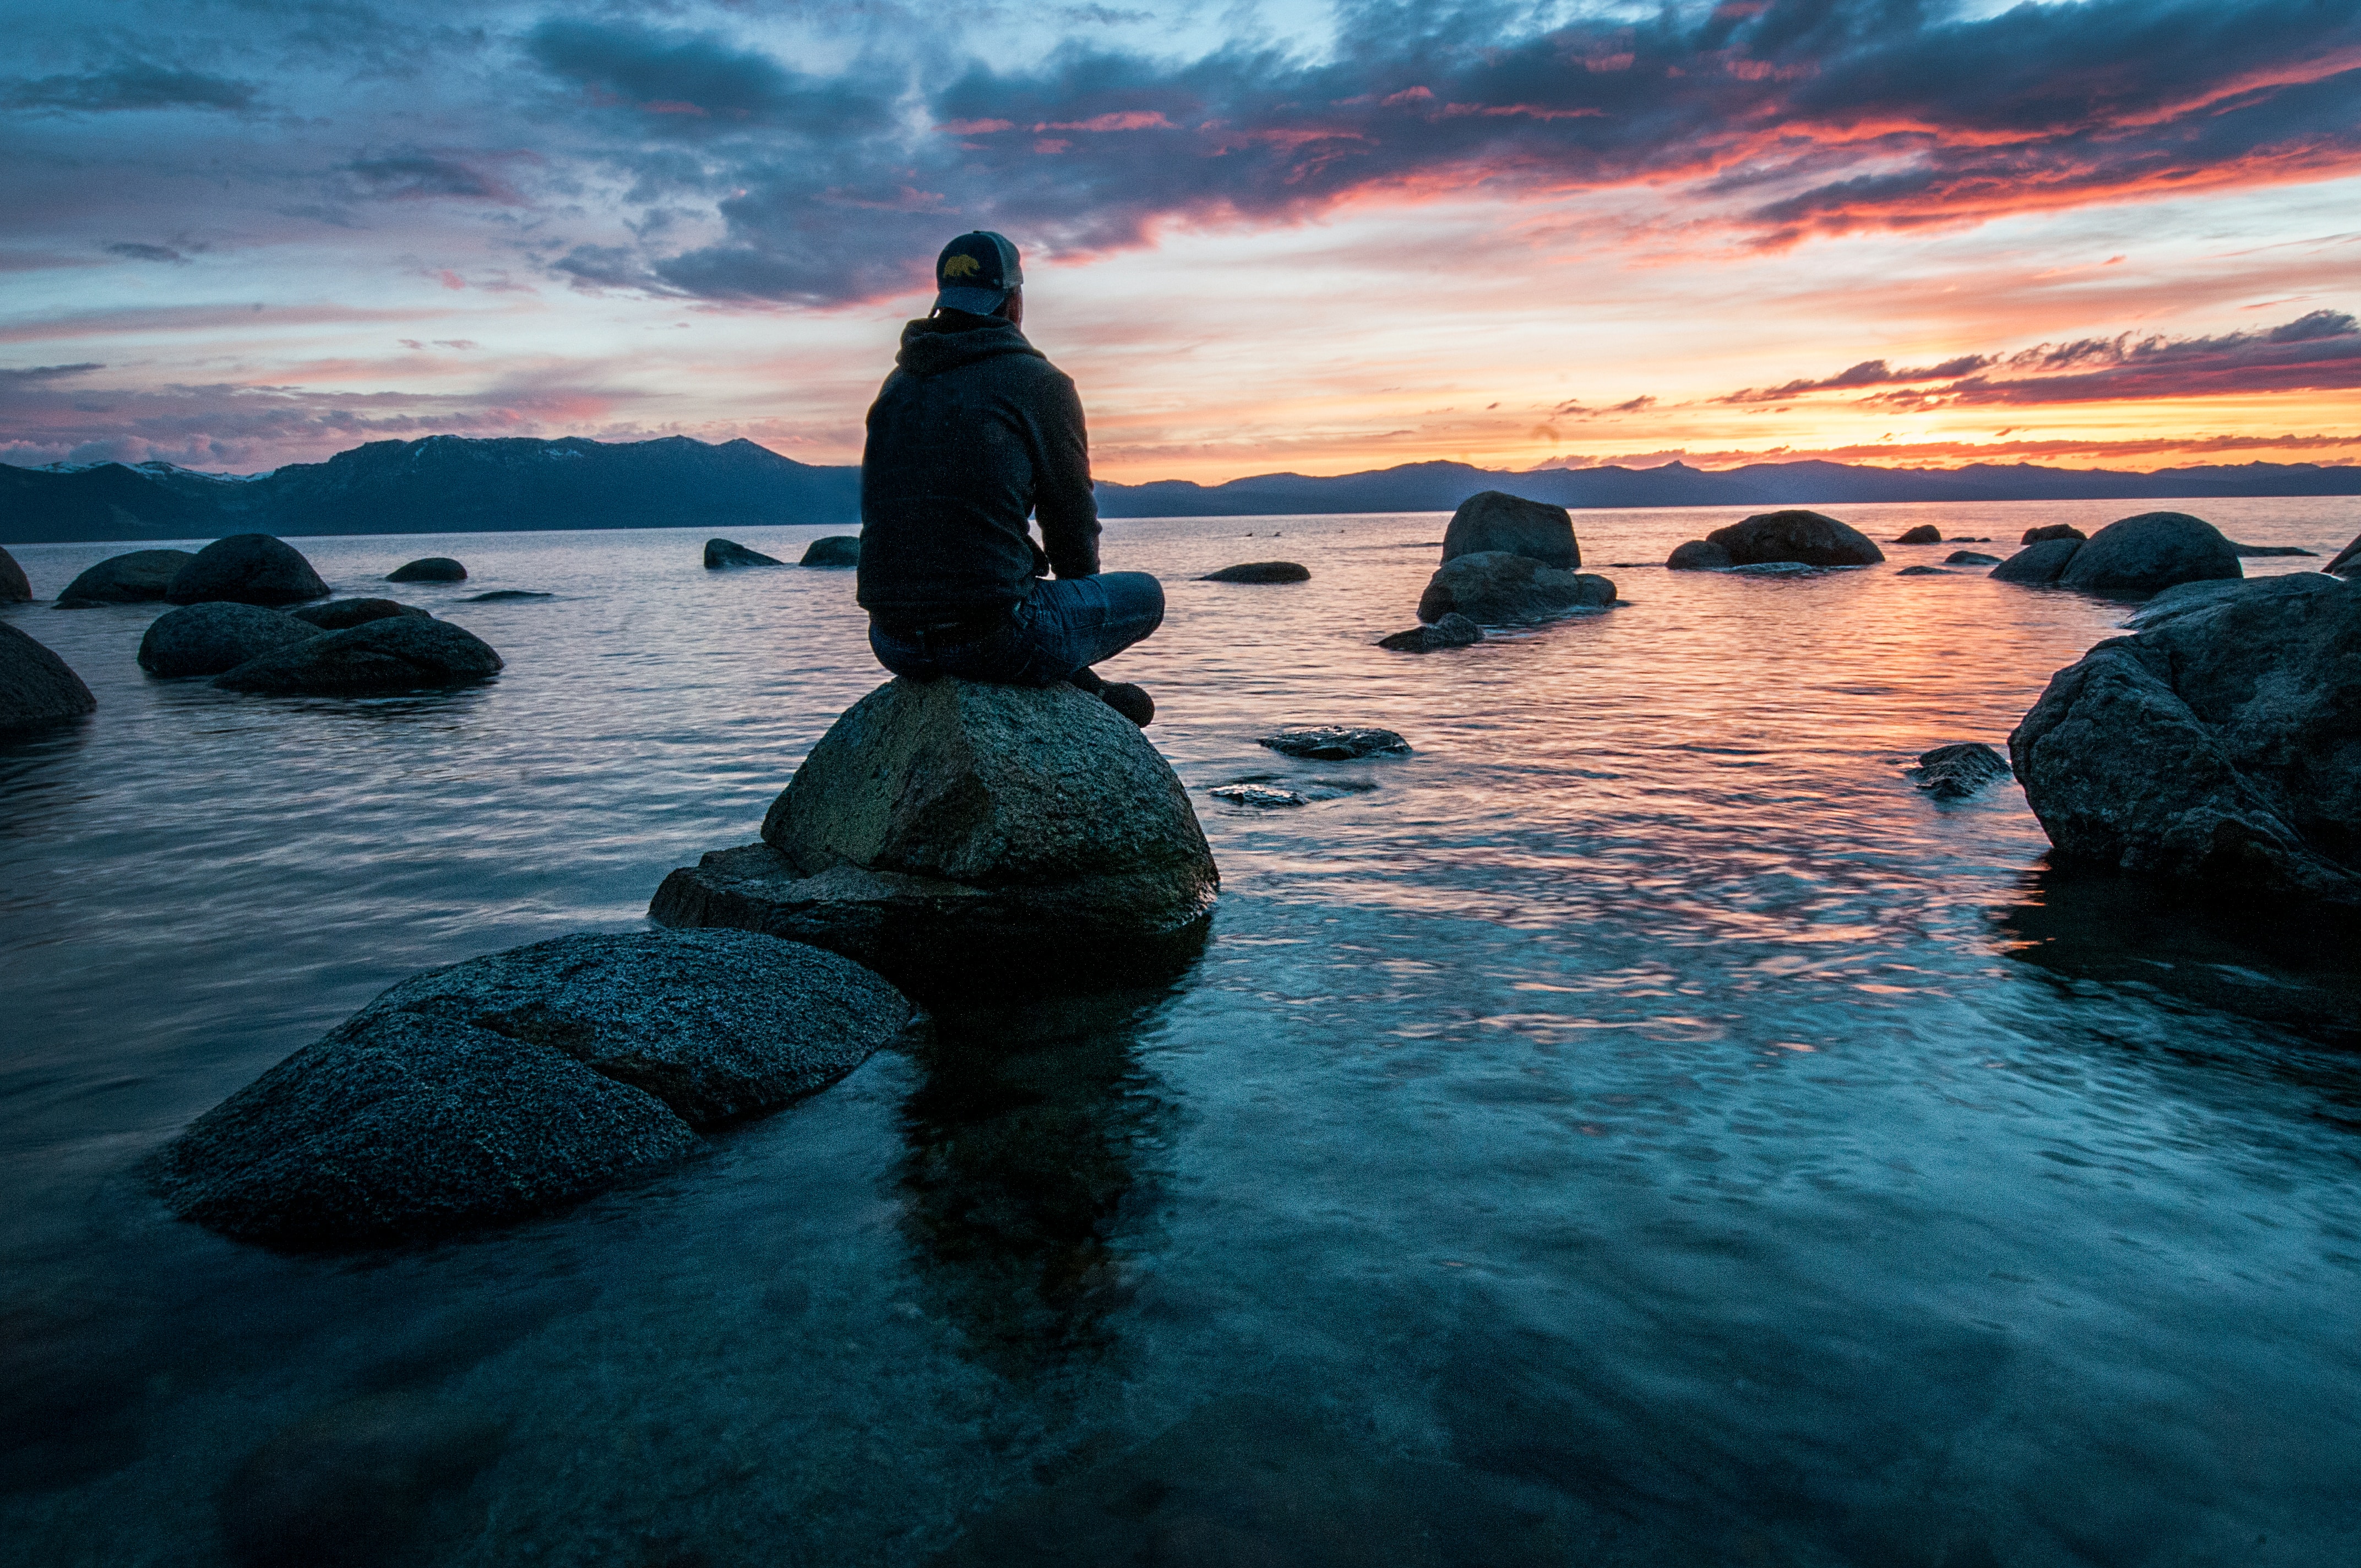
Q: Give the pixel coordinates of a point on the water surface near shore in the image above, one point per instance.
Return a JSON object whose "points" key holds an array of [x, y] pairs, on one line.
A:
{"points": [[1635, 1127]]}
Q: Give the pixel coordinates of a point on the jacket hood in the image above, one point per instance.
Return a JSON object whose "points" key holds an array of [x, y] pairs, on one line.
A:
{"points": [[938, 343]]}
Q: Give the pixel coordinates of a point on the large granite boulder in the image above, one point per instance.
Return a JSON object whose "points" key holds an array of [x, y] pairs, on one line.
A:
{"points": [[722, 554], [15, 588], [518, 1082], [395, 653], [952, 834], [1698, 556], [2155, 550], [834, 550], [1492, 521], [2347, 561], [247, 568], [337, 615], [35, 685], [1493, 588], [206, 639], [428, 569], [1808, 538], [138, 576], [2220, 743], [2037, 563]]}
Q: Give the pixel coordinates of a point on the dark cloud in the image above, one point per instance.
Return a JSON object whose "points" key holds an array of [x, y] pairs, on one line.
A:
{"points": [[695, 83], [41, 373], [418, 176], [1868, 373], [132, 251], [131, 86]]}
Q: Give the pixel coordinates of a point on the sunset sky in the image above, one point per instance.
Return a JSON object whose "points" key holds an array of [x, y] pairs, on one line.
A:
{"points": [[1318, 237]]}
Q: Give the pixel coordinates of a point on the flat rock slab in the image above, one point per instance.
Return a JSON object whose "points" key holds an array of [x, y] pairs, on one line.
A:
{"points": [[1260, 572], [503, 595], [722, 554], [834, 550], [1959, 770], [1336, 743], [247, 568], [395, 653], [207, 639], [138, 576], [2269, 550], [1259, 795], [428, 569], [36, 687], [517, 1083], [1924, 572]]}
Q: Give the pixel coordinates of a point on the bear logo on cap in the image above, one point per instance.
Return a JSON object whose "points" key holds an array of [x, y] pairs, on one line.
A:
{"points": [[961, 266]]}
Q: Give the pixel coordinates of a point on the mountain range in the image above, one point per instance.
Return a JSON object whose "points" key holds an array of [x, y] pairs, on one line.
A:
{"points": [[451, 484]]}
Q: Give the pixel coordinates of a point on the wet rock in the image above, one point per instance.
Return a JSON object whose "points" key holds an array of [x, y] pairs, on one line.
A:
{"points": [[14, 586], [955, 833], [1699, 555], [2054, 531], [1496, 588], [835, 550], [2152, 551], [1260, 572], [1494, 520], [1925, 534], [1924, 572], [1970, 558], [138, 576], [1957, 772], [358, 1486], [206, 639], [338, 614], [1774, 569], [720, 553], [2346, 560], [2184, 598], [2266, 550], [1336, 743], [1453, 631], [397, 654], [503, 595], [520, 1083], [1256, 795], [2039, 562], [2213, 746], [37, 686], [247, 568], [1811, 538], [428, 569]]}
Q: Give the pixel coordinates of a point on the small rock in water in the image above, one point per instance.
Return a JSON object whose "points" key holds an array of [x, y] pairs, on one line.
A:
{"points": [[1925, 534], [1956, 771], [2056, 531], [725, 552], [501, 595], [15, 588], [1967, 539], [206, 639], [1492, 521], [396, 653], [1924, 572], [429, 569], [2252, 550], [835, 550], [2038, 563], [140, 576], [247, 568], [1970, 558], [35, 685], [1260, 572], [1699, 555], [1255, 794], [337, 614], [1336, 743], [1453, 631]]}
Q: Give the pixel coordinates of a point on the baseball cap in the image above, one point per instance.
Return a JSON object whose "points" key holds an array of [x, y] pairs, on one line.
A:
{"points": [[975, 272]]}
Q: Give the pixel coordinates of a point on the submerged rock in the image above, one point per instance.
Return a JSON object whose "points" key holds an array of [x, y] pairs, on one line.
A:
{"points": [[35, 685], [1494, 520], [2037, 564], [338, 614], [1496, 588], [1924, 572], [725, 552], [1260, 572], [835, 550], [1811, 538], [2054, 531], [2346, 560], [953, 833], [518, 1083], [138, 576], [2266, 550], [397, 654], [1699, 555], [206, 639], [2215, 745], [428, 569], [2152, 551], [15, 588], [1774, 569], [247, 568], [1256, 795], [1925, 534], [1970, 558], [503, 596], [1336, 743], [1453, 631], [1959, 770]]}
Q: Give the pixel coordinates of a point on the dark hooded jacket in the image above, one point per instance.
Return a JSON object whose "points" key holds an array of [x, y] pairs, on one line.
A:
{"points": [[972, 433]]}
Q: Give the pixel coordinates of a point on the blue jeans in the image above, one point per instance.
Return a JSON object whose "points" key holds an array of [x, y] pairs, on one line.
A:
{"points": [[1067, 625]]}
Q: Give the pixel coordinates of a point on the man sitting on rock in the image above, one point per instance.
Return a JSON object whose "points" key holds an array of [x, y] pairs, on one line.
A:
{"points": [[975, 432]]}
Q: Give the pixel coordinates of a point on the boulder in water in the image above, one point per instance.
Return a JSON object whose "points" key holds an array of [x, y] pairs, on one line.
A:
{"points": [[1923, 572], [954, 835], [1810, 538], [2039, 562], [2268, 550], [396, 653], [2055, 531], [15, 588], [1958, 770], [720, 553], [1925, 534], [2346, 560], [1970, 558], [2215, 745], [1494, 520], [428, 569], [138, 576], [247, 568], [206, 639], [2155, 550], [504, 596], [1260, 572], [1336, 743], [1699, 555], [35, 685], [1496, 588], [337, 614], [835, 550], [1453, 631], [518, 1082]]}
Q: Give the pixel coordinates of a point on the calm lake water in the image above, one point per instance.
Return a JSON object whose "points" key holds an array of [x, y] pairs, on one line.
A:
{"points": [[1637, 1127]]}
